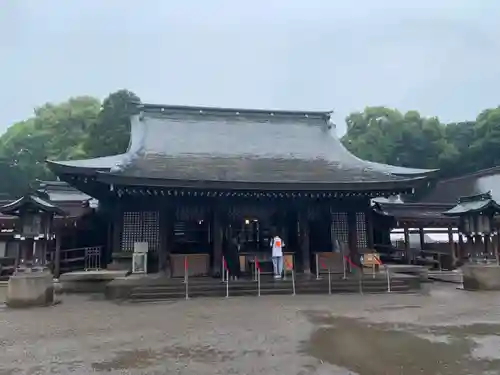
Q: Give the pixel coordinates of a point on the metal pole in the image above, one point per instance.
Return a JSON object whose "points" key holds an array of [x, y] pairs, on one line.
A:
{"points": [[223, 269], [186, 277], [496, 252], [317, 266], [227, 283], [255, 276], [360, 283], [388, 279], [258, 282], [373, 267], [345, 267], [329, 281], [293, 282]]}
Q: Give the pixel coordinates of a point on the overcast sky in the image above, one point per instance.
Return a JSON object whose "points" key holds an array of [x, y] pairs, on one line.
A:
{"points": [[441, 57]]}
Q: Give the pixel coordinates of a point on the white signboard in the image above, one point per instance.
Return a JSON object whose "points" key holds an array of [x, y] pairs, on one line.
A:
{"points": [[140, 247], [139, 262]]}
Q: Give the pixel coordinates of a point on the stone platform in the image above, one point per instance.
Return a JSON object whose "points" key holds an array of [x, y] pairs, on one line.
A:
{"points": [[481, 277], [88, 281], [409, 269], [157, 287], [30, 289]]}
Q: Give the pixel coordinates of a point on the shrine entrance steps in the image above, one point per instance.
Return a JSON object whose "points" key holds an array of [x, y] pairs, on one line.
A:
{"points": [[172, 289]]}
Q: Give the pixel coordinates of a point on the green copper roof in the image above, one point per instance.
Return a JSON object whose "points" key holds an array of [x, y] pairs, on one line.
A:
{"points": [[474, 204]]}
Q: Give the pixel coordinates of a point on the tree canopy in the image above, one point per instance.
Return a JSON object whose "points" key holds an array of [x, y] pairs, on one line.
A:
{"points": [[407, 139], [84, 127], [79, 128]]}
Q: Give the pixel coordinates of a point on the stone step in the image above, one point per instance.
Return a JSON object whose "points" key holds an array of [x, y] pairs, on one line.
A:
{"points": [[145, 293], [276, 286], [175, 296]]}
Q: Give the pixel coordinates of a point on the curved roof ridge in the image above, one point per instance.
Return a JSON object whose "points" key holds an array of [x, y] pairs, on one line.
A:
{"points": [[479, 173], [159, 108]]}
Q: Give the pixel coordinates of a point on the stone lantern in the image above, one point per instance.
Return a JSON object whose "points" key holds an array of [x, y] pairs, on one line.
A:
{"points": [[31, 284], [476, 224], [476, 215]]}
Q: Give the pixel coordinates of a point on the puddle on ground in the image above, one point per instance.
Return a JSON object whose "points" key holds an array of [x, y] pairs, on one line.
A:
{"points": [[143, 358], [486, 347], [381, 349]]}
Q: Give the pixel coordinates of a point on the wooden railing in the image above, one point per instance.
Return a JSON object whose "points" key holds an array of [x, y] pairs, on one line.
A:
{"points": [[81, 259]]}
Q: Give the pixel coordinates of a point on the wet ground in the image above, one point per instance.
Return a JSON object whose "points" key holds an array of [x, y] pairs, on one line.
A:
{"points": [[446, 332]]}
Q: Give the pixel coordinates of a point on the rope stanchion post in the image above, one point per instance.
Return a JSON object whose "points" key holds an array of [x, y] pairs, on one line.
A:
{"points": [[285, 266], [388, 278], [257, 274], [373, 266], [344, 264], [223, 273], [255, 265], [226, 270], [317, 266], [360, 278], [293, 281], [329, 280], [186, 276]]}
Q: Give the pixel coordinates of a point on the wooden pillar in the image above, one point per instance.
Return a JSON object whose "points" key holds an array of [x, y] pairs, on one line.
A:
{"points": [[407, 244], [217, 229], [117, 228], [369, 229], [422, 238], [304, 242], [167, 220], [461, 248], [57, 255], [353, 237], [487, 246], [497, 248], [452, 246]]}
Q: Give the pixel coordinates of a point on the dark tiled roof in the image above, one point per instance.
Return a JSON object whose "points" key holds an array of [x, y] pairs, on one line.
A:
{"points": [[235, 145], [474, 204], [414, 212], [59, 191], [32, 201], [450, 190], [70, 201]]}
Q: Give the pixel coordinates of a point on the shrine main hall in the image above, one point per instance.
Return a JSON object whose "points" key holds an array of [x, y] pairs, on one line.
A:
{"points": [[192, 178]]}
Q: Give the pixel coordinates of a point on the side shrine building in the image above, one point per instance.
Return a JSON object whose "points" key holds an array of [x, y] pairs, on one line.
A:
{"points": [[193, 178]]}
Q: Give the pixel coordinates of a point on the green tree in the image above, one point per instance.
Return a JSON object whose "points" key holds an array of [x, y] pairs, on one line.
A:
{"points": [[110, 134], [56, 131], [386, 135]]}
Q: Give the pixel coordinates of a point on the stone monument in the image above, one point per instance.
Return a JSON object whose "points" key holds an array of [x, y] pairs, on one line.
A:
{"points": [[482, 270], [32, 283]]}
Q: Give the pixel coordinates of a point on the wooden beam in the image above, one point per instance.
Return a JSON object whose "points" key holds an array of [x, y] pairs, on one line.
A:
{"points": [[304, 241], [57, 255], [407, 243], [217, 238], [353, 237], [421, 235], [452, 247]]}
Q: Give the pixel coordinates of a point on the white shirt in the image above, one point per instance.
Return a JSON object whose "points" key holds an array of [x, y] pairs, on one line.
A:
{"points": [[277, 245]]}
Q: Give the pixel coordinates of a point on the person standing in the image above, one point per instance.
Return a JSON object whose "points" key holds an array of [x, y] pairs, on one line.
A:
{"points": [[277, 245]]}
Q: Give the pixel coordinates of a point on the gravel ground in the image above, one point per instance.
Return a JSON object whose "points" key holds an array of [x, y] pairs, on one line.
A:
{"points": [[445, 332]]}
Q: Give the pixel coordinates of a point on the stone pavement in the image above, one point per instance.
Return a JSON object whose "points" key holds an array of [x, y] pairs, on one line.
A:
{"points": [[446, 332]]}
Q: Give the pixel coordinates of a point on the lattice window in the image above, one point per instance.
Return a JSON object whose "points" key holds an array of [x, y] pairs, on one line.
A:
{"points": [[340, 227], [141, 227], [362, 238]]}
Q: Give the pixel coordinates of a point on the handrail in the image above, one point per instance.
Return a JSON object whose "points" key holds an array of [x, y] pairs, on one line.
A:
{"points": [[257, 275], [225, 267], [292, 268], [360, 273], [186, 275]]}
